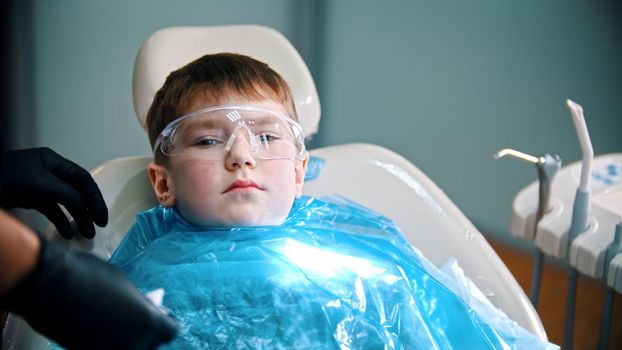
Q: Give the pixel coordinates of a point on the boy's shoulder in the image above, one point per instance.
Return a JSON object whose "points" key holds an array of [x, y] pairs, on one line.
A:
{"points": [[338, 209], [160, 214], [158, 220]]}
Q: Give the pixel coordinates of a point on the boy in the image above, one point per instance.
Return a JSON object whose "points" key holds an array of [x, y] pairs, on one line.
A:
{"points": [[229, 165], [248, 263]]}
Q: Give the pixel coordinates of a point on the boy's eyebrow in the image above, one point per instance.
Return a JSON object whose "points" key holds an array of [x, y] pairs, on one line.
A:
{"points": [[206, 122], [188, 126]]}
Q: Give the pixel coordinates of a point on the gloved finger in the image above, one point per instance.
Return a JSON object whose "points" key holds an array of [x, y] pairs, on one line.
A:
{"points": [[79, 213], [81, 180], [72, 201], [58, 218], [89, 305], [165, 331], [156, 327], [168, 329], [83, 222]]}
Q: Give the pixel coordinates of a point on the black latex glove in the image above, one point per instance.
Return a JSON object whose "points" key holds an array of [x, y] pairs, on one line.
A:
{"points": [[81, 302], [40, 179]]}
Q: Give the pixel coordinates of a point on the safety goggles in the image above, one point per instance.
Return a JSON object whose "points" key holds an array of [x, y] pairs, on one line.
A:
{"points": [[211, 132]]}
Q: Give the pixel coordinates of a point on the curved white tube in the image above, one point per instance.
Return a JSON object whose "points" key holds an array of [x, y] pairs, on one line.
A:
{"points": [[586, 144]]}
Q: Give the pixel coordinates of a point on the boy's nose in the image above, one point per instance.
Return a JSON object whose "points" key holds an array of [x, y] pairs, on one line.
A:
{"points": [[240, 153]]}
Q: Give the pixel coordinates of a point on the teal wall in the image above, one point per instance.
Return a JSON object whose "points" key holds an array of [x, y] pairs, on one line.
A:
{"points": [[444, 83], [449, 83], [84, 54]]}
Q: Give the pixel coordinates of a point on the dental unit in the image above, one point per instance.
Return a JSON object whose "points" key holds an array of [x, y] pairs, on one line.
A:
{"points": [[585, 208]]}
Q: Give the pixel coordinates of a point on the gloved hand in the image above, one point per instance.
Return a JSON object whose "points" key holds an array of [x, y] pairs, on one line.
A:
{"points": [[81, 302], [40, 179]]}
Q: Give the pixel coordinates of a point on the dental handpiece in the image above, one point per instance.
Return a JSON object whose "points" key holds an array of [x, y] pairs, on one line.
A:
{"points": [[547, 167]]}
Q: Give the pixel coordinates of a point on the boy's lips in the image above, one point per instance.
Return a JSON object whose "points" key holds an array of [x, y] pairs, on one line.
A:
{"points": [[242, 184]]}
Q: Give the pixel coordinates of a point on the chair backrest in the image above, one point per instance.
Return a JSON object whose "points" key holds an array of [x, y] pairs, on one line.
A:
{"points": [[367, 174], [171, 48], [370, 175]]}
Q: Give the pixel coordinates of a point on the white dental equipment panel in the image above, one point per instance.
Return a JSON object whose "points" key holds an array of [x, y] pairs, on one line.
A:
{"points": [[588, 250]]}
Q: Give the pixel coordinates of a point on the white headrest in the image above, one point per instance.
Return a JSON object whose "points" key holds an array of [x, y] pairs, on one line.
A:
{"points": [[171, 48]]}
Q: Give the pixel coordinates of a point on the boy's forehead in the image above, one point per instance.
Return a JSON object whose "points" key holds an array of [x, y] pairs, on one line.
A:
{"points": [[201, 102]]}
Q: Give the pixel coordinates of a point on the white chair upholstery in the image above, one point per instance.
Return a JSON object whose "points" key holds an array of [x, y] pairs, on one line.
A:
{"points": [[370, 175], [172, 48]]}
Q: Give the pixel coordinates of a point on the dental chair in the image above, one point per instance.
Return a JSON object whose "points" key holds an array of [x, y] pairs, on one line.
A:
{"points": [[368, 174]]}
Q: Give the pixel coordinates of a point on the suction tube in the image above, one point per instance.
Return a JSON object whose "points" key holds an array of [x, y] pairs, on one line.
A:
{"points": [[605, 326], [586, 144], [580, 213]]}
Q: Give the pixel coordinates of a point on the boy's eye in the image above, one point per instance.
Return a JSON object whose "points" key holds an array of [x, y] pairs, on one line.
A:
{"points": [[267, 138], [207, 142]]}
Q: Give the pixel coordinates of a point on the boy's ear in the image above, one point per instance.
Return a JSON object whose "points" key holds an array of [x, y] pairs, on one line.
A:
{"points": [[162, 184], [301, 169]]}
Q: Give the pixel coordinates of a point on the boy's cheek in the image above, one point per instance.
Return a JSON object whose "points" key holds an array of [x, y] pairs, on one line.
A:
{"points": [[300, 170]]}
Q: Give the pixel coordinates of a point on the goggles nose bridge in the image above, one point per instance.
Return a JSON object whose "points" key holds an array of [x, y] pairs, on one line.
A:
{"points": [[234, 135]]}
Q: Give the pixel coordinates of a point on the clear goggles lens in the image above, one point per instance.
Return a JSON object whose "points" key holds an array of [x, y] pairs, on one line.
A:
{"points": [[210, 133]]}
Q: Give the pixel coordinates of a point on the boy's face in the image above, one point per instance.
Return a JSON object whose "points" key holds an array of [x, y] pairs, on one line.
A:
{"points": [[240, 190]]}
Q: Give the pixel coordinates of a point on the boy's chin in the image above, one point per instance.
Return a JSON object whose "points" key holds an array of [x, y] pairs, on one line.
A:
{"points": [[242, 221], [257, 220]]}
